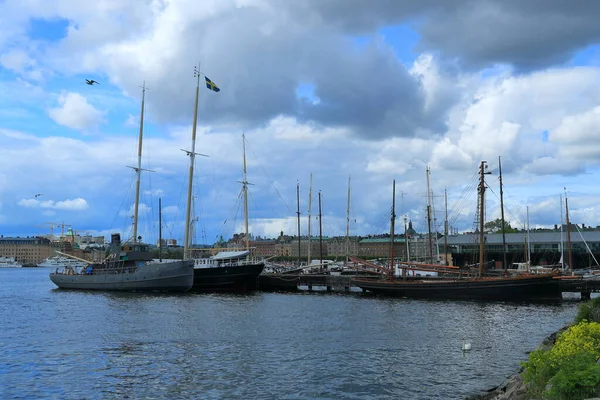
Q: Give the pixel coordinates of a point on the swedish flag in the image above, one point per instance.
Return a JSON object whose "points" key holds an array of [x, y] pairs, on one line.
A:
{"points": [[211, 85]]}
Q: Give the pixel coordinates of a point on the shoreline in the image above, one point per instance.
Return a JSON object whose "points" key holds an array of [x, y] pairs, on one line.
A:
{"points": [[513, 387]]}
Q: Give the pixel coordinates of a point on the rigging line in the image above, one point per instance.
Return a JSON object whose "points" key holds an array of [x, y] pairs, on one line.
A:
{"points": [[270, 180], [464, 198], [461, 204]]}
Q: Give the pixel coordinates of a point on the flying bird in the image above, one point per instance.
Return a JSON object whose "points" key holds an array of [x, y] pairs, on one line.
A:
{"points": [[38, 195], [91, 82]]}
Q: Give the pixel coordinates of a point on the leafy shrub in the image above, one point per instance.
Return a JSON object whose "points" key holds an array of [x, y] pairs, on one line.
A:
{"points": [[583, 313], [569, 366]]}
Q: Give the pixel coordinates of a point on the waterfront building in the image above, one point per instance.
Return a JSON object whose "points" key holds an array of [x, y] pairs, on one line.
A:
{"points": [[27, 250]]}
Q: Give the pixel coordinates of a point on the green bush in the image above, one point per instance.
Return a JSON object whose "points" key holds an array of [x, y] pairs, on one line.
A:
{"points": [[585, 308], [579, 378], [569, 366]]}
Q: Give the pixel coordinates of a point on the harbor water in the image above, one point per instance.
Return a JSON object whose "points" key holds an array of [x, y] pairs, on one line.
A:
{"points": [[57, 344]]}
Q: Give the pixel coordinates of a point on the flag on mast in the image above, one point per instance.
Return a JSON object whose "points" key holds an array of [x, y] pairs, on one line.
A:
{"points": [[211, 85]]}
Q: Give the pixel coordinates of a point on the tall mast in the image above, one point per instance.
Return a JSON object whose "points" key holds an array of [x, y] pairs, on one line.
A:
{"points": [[446, 226], [320, 230], [392, 220], [348, 224], [528, 241], [429, 218], [192, 154], [504, 262], [482, 172], [298, 214], [138, 169], [159, 229], [245, 189], [570, 253], [562, 245], [309, 221], [407, 245]]}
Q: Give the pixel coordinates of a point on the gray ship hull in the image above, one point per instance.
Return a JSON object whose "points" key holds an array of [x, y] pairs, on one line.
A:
{"points": [[174, 276]]}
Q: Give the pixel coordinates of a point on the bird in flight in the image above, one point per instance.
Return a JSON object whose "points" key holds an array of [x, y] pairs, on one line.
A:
{"points": [[91, 81], [38, 195]]}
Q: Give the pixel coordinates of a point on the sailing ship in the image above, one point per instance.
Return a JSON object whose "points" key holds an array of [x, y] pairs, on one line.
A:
{"points": [[129, 266], [226, 271], [480, 287]]}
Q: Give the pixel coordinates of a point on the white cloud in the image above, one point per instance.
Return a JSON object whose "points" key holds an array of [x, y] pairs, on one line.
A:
{"points": [[77, 204], [75, 112]]}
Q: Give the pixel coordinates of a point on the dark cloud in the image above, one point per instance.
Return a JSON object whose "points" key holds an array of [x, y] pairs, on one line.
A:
{"points": [[527, 34]]}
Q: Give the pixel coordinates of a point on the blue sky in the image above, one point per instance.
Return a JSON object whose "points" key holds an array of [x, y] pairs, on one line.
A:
{"points": [[375, 91]]}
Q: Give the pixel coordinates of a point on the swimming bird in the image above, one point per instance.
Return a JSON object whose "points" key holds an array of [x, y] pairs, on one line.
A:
{"points": [[91, 81], [466, 346], [38, 195]]}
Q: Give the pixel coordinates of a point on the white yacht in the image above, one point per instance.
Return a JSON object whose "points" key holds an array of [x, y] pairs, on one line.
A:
{"points": [[9, 262], [62, 262]]}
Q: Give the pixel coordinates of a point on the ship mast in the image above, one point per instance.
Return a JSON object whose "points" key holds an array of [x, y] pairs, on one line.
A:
{"points": [[320, 230], [192, 154], [298, 215], [348, 224], [138, 169], [392, 220], [570, 253], [482, 173], [308, 260], [504, 262], [245, 189], [429, 218]]}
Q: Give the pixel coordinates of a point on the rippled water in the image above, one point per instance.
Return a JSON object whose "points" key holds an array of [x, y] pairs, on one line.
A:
{"points": [[84, 345]]}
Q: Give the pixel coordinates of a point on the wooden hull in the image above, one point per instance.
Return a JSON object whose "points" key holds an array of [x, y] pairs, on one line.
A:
{"points": [[175, 276], [513, 288], [238, 278]]}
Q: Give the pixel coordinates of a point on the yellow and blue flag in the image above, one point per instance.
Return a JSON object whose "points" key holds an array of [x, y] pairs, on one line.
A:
{"points": [[211, 85]]}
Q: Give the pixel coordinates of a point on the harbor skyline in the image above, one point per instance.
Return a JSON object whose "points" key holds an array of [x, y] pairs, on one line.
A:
{"points": [[378, 93]]}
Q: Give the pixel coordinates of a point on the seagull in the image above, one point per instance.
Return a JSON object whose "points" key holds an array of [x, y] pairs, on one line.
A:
{"points": [[91, 81], [466, 346], [38, 195]]}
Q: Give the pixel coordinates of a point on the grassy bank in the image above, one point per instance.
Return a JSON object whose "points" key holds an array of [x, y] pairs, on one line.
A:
{"points": [[570, 369]]}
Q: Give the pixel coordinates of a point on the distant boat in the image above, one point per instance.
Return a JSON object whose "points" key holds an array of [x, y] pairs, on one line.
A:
{"points": [[129, 266], [62, 262], [227, 271], [522, 287], [9, 262]]}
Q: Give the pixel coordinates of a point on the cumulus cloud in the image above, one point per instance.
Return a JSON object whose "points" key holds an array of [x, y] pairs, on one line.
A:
{"points": [[77, 204], [75, 112]]}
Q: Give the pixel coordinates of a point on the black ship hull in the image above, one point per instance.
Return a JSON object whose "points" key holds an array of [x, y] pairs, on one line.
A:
{"points": [[278, 282], [238, 278], [535, 287]]}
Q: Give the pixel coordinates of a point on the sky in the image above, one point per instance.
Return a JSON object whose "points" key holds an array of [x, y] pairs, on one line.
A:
{"points": [[366, 91]]}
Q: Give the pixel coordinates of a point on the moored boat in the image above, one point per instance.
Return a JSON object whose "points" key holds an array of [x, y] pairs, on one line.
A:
{"points": [[129, 266], [480, 287], [523, 287], [228, 271], [9, 262]]}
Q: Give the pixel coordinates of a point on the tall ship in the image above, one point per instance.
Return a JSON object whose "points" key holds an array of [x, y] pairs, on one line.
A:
{"points": [[479, 287], [129, 266], [9, 262], [226, 271]]}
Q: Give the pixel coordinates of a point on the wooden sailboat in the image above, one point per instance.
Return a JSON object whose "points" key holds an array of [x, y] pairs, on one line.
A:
{"points": [[522, 287], [130, 266], [226, 271]]}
